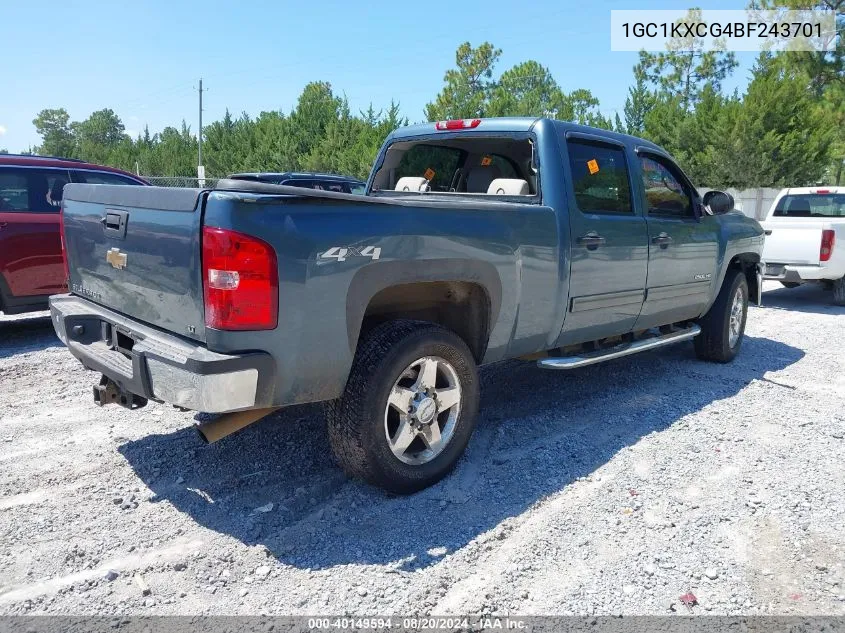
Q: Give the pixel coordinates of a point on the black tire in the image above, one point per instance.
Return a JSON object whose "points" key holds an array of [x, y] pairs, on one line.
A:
{"points": [[839, 292], [357, 422], [714, 342], [790, 284]]}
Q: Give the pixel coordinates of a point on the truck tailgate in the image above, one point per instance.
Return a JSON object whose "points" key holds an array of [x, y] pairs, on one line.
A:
{"points": [[136, 250], [792, 241]]}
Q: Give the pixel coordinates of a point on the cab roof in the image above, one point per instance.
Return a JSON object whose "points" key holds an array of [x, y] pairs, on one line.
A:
{"points": [[517, 125]]}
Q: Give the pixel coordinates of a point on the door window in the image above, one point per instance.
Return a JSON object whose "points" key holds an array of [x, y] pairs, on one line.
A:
{"points": [[599, 177], [33, 190], [665, 193], [14, 191]]}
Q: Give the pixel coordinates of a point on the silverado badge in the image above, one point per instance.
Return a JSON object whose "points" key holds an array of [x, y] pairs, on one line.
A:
{"points": [[116, 258]]}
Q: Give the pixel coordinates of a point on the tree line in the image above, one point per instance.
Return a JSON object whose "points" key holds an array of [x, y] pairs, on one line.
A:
{"points": [[787, 129]]}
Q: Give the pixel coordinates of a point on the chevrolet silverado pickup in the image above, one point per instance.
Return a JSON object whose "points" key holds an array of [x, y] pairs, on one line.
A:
{"points": [[803, 228], [476, 241]]}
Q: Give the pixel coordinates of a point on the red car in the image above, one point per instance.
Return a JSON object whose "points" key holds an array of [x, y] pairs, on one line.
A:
{"points": [[31, 266]]}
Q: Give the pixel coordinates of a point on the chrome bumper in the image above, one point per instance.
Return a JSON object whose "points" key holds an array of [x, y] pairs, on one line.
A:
{"points": [[157, 365]]}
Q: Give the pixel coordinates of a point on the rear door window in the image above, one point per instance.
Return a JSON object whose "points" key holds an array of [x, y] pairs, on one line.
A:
{"points": [[34, 190], [809, 205], [14, 190], [599, 177]]}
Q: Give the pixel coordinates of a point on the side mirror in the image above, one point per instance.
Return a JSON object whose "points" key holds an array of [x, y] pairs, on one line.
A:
{"points": [[718, 202]]}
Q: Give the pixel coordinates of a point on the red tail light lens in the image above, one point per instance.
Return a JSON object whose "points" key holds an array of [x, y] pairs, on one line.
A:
{"points": [[457, 124], [240, 281], [826, 249], [62, 242]]}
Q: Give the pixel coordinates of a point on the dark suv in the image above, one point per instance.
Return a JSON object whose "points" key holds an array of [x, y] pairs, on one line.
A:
{"points": [[325, 182], [30, 245]]}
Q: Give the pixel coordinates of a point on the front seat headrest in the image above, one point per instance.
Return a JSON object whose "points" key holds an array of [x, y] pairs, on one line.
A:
{"points": [[508, 187], [411, 183]]}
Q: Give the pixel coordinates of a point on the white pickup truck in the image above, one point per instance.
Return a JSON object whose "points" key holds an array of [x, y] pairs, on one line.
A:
{"points": [[805, 238]]}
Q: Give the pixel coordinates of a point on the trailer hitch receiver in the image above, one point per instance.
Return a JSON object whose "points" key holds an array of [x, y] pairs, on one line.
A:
{"points": [[109, 392]]}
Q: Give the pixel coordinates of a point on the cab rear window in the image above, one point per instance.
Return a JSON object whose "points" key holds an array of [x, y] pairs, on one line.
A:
{"points": [[809, 205], [462, 164]]}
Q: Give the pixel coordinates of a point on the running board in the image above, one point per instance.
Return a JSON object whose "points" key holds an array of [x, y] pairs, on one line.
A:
{"points": [[618, 351]]}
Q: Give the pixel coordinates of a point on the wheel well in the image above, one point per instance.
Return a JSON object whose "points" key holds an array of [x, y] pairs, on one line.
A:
{"points": [[460, 306], [747, 263]]}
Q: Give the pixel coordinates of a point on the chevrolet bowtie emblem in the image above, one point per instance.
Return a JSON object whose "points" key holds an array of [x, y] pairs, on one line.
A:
{"points": [[116, 258]]}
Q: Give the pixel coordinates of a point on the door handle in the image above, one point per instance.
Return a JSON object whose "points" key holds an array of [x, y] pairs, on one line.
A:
{"points": [[664, 239], [591, 240], [3, 225]]}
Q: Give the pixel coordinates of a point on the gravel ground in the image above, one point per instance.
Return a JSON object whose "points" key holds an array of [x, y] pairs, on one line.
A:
{"points": [[615, 489]]}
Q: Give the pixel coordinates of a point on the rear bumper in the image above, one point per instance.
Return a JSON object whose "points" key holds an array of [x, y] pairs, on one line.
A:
{"points": [[796, 274], [160, 366]]}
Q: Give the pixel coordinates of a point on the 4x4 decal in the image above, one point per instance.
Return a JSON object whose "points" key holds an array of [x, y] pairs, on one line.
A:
{"points": [[341, 253]]}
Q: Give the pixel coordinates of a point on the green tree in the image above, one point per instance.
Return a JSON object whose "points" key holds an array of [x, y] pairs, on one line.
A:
{"points": [[55, 131], [686, 68], [783, 137], [582, 107], [823, 73], [98, 135], [527, 89], [638, 103], [468, 87], [316, 108]]}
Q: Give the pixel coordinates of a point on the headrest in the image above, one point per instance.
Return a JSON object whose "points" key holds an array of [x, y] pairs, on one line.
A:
{"points": [[508, 187], [411, 183], [479, 178]]}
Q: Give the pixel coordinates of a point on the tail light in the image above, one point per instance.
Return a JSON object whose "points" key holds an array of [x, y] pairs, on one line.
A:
{"points": [[826, 249], [240, 281], [62, 240], [457, 124]]}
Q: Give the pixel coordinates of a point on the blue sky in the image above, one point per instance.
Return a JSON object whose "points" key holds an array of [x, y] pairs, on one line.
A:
{"points": [[143, 60]]}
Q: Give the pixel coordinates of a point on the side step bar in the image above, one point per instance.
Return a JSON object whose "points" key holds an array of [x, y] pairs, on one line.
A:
{"points": [[618, 351]]}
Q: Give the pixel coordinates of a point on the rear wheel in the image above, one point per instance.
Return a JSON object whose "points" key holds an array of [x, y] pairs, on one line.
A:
{"points": [[839, 292], [723, 327], [409, 406]]}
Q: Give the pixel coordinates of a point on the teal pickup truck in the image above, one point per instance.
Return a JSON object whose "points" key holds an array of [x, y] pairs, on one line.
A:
{"points": [[476, 241]]}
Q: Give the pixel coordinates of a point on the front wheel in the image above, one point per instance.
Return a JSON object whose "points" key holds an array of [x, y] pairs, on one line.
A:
{"points": [[723, 327], [409, 406]]}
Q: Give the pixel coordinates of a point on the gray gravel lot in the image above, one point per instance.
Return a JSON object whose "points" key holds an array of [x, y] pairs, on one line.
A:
{"points": [[611, 490]]}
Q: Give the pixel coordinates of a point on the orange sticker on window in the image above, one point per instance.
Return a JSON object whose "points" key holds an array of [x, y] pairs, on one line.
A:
{"points": [[593, 166], [429, 174], [486, 161]]}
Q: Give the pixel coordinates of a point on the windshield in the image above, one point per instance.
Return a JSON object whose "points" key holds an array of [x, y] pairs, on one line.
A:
{"points": [[808, 205]]}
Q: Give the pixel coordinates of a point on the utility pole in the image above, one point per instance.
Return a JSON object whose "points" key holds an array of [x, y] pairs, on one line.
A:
{"points": [[199, 136]]}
